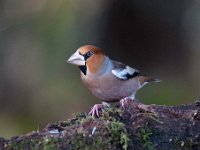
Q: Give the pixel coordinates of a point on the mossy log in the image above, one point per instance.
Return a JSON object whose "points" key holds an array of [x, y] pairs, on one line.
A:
{"points": [[137, 126]]}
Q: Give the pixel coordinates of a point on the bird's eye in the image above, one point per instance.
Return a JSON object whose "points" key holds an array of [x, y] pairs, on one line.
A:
{"points": [[90, 53]]}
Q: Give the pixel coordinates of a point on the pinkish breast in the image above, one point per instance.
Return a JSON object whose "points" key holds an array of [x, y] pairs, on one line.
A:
{"points": [[110, 88]]}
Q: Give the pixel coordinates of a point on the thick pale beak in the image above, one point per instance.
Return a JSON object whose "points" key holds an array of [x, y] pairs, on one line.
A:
{"points": [[76, 59]]}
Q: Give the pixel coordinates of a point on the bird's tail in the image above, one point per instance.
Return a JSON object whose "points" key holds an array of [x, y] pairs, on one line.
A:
{"points": [[146, 79], [151, 79]]}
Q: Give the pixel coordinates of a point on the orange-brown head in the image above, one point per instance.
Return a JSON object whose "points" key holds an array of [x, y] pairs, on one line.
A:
{"points": [[88, 58]]}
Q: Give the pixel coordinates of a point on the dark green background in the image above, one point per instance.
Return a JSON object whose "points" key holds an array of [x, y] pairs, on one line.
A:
{"points": [[160, 38]]}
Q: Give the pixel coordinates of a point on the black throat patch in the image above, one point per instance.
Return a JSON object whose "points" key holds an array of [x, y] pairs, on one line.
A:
{"points": [[83, 69]]}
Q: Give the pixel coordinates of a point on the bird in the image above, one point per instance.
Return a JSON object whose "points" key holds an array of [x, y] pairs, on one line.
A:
{"points": [[107, 79]]}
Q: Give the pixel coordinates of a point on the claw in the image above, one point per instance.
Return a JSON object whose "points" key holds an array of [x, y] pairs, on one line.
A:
{"points": [[123, 101], [95, 110]]}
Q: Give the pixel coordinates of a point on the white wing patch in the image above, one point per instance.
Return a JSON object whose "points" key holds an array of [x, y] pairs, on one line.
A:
{"points": [[125, 73]]}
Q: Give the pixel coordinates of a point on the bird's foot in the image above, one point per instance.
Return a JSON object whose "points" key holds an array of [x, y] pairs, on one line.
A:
{"points": [[124, 100], [95, 109]]}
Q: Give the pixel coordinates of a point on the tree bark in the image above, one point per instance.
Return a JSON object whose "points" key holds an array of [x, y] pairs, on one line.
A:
{"points": [[136, 126]]}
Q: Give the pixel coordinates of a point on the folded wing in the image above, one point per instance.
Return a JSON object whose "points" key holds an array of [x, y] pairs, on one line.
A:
{"points": [[123, 71]]}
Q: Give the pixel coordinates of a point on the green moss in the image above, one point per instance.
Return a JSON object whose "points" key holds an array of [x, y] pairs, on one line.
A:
{"points": [[112, 130], [111, 114], [188, 143], [80, 115], [118, 133], [176, 142], [115, 128], [24, 144], [65, 123], [124, 140], [88, 119], [115, 135], [89, 142], [145, 138], [49, 143], [81, 118], [105, 115]]}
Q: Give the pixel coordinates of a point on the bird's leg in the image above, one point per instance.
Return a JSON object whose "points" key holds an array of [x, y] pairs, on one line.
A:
{"points": [[95, 109], [124, 100]]}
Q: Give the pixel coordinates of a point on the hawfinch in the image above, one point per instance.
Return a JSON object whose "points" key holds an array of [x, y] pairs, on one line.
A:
{"points": [[107, 79]]}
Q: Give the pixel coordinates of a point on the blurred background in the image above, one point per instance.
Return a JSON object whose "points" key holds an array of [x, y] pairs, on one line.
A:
{"points": [[159, 38]]}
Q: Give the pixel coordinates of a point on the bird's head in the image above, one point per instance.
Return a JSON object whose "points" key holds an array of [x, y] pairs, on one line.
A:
{"points": [[88, 58]]}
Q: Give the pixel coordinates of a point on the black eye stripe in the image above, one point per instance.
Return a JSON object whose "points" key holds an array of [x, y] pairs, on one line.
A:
{"points": [[88, 55]]}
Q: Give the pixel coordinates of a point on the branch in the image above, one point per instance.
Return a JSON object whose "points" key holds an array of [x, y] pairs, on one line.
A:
{"points": [[138, 126]]}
